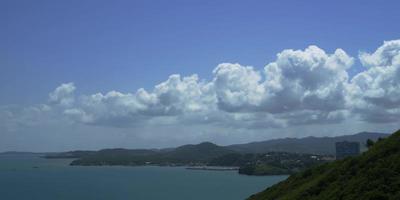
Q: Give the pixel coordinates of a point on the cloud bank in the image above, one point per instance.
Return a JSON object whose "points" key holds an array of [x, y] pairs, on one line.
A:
{"points": [[300, 87]]}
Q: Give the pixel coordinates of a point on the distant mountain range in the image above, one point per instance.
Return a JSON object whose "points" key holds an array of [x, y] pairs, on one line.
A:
{"points": [[207, 150], [308, 145], [183, 155]]}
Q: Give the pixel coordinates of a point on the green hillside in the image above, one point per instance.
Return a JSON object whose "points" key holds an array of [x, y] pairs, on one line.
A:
{"points": [[374, 175], [197, 153], [183, 155]]}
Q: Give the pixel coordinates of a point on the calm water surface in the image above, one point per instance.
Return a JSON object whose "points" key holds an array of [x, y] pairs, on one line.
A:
{"points": [[31, 177]]}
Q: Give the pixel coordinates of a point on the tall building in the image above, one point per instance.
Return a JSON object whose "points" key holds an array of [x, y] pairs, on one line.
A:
{"points": [[345, 149]]}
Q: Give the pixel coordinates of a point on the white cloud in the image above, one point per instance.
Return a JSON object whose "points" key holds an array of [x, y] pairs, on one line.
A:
{"points": [[300, 87], [306, 86], [14, 117], [383, 56], [237, 87], [176, 96], [306, 80], [374, 94], [79, 115], [63, 94], [186, 94], [311, 82]]}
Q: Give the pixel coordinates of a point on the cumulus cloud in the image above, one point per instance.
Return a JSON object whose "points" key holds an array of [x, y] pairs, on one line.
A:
{"points": [[374, 94], [63, 94], [299, 87], [383, 56], [237, 87], [174, 97], [309, 81]]}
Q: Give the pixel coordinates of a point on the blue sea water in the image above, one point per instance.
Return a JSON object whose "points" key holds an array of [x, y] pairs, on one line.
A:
{"points": [[29, 177]]}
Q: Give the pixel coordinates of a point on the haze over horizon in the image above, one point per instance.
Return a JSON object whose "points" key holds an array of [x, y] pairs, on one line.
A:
{"points": [[97, 74]]}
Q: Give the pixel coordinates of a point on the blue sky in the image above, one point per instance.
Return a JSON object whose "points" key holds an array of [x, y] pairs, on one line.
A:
{"points": [[56, 55], [125, 45]]}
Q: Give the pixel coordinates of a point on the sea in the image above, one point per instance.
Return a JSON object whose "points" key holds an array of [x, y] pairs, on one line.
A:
{"points": [[30, 177]]}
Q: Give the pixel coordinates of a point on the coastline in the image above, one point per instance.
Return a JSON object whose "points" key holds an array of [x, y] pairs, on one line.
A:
{"points": [[213, 168]]}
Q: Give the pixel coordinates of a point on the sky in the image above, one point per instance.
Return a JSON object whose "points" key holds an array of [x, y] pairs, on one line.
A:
{"points": [[152, 74]]}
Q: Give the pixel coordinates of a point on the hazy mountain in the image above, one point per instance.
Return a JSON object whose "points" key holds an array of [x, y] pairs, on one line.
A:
{"points": [[199, 152], [181, 155], [310, 145], [206, 151], [373, 175]]}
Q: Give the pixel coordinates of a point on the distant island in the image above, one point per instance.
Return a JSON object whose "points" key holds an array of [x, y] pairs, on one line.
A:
{"points": [[374, 175], [273, 157]]}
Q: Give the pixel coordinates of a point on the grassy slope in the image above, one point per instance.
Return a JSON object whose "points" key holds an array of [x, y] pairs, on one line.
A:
{"points": [[375, 175]]}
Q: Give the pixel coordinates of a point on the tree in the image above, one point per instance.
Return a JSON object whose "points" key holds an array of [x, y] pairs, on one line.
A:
{"points": [[370, 143]]}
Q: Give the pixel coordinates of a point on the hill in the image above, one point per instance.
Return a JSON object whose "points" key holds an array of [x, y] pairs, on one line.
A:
{"points": [[307, 145], [288, 156], [374, 175], [183, 155], [198, 153]]}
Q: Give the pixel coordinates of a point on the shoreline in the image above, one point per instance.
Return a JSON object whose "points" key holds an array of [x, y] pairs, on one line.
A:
{"points": [[213, 168]]}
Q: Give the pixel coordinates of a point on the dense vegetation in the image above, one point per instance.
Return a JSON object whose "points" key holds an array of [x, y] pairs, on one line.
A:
{"points": [[184, 155], [206, 153], [272, 163], [374, 175]]}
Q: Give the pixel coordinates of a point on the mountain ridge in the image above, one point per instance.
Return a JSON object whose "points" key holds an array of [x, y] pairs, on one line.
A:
{"points": [[242, 147], [183, 155], [309, 145]]}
